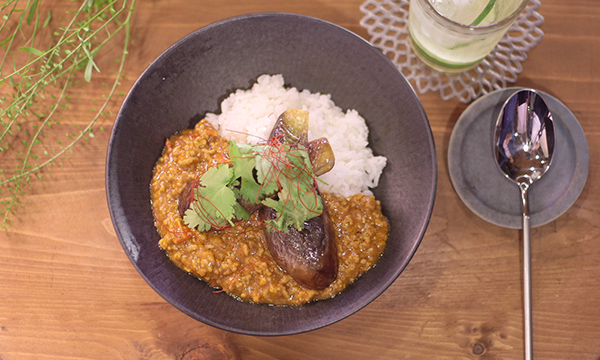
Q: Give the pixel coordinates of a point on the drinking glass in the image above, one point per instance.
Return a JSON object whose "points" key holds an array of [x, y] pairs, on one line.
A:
{"points": [[455, 35]]}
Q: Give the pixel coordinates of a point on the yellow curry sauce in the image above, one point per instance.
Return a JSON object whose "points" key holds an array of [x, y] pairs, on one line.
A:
{"points": [[236, 259]]}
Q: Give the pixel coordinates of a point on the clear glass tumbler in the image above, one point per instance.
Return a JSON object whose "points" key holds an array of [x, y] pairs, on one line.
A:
{"points": [[455, 35]]}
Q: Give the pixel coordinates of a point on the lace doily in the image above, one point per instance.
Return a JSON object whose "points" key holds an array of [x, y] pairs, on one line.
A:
{"points": [[387, 24]]}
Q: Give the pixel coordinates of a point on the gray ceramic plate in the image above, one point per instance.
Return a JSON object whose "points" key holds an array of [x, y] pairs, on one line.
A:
{"points": [[192, 78], [484, 188]]}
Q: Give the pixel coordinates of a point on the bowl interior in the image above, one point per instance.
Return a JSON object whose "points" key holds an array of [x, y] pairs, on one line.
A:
{"points": [[192, 78]]}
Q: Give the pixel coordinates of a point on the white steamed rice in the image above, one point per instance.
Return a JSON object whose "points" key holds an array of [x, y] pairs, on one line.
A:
{"points": [[247, 116]]}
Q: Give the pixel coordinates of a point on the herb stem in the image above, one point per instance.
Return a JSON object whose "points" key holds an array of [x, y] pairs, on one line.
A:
{"points": [[27, 96], [64, 39], [87, 128], [74, 50]]}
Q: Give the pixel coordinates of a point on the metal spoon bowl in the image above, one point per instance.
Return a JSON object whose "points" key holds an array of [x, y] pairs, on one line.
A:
{"points": [[523, 146]]}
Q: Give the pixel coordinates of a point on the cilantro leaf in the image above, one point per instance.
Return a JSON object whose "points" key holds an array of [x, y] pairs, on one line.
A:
{"points": [[298, 199], [215, 202], [278, 176], [268, 167], [243, 158], [291, 212]]}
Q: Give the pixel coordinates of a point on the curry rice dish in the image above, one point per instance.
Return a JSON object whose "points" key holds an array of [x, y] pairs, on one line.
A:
{"points": [[244, 258], [236, 259]]}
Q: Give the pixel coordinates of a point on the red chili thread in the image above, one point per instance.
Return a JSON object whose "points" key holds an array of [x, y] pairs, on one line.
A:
{"points": [[293, 172], [277, 155], [205, 215]]}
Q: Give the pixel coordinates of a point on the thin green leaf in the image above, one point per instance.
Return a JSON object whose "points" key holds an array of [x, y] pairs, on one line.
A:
{"points": [[87, 75], [47, 20], [6, 40], [32, 51], [32, 10]]}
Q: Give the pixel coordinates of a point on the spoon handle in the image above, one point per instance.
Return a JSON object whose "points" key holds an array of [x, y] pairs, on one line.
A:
{"points": [[527, 277]]}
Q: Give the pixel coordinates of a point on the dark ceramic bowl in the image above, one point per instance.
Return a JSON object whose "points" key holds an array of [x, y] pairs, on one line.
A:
{"points": [[192, 78]]}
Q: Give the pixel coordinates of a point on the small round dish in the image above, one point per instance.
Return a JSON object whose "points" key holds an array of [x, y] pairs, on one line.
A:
{"points": [[483, 187], [194, 76]]}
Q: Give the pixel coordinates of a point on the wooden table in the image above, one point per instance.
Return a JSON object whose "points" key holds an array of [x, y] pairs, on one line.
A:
{"points": [[67, 290]]}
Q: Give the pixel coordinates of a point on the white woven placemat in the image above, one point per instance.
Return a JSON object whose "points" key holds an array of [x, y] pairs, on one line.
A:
{"points": [[387, 24]]}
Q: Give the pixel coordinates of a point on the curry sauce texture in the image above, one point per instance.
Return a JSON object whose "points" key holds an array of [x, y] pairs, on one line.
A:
{"points": [[236, 259]]}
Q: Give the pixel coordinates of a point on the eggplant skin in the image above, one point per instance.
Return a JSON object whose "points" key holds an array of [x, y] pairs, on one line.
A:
{"points": [[186, 198], [310, 255]]}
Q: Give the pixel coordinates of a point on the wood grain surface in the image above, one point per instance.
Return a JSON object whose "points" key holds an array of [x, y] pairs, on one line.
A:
{"points": [[68, 291]]}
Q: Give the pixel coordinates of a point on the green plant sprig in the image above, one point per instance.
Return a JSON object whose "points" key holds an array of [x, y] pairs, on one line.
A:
{"points": [[45, 80], [279, 176]]}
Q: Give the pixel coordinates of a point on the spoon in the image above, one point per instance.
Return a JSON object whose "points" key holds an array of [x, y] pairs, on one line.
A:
{"points": [[523, 148]]}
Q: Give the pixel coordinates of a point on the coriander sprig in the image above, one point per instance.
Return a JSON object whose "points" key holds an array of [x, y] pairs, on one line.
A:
{"points": [[44, 58], [276, 175]]}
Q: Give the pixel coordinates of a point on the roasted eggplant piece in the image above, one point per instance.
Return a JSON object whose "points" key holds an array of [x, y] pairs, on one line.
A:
{"points": [[291, 127], [321, 155], [186, 197], [310, 255]]}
